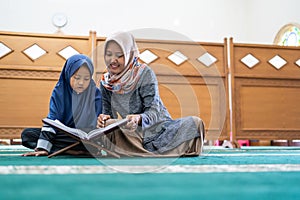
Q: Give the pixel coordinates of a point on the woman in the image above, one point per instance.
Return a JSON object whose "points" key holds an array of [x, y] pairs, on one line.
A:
{"points": [[130, 89], [75, 101]]}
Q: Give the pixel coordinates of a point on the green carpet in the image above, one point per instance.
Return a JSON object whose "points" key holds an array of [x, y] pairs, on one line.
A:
{"points": [[272, 185], [247, 173]]}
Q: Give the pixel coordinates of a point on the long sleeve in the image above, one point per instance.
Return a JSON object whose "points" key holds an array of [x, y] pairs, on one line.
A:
{"points": [[46, 136], [106, 101], [153, 109]]}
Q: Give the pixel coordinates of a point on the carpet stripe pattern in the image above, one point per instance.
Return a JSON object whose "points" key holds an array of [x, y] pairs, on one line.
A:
{"points": [[247, 173], [148, 169]]}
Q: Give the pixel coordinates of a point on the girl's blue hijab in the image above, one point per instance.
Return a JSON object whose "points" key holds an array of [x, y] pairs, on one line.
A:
{"points": [[72, 109]]}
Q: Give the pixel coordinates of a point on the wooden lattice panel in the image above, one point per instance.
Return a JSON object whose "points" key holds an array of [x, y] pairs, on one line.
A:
{"points": [[52, 44], [265, 97]]}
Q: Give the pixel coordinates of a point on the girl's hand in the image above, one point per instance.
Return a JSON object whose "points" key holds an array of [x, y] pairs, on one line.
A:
{"points": [[37, 152], [101, 121]]}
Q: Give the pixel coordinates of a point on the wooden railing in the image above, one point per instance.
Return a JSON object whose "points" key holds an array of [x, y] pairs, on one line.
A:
{"points": [[265, 99]]}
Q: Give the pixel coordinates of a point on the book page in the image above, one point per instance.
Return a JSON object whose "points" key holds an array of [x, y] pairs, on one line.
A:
{"points": [[101, 131], [80, 133], [57, 124]]}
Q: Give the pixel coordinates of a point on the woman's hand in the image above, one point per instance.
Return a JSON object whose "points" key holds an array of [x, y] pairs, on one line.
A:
{"points": [[37, 152], [101, 121], [133, 121]]}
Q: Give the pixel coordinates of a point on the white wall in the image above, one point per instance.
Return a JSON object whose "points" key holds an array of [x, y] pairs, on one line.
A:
{"points": [[247, 21]]}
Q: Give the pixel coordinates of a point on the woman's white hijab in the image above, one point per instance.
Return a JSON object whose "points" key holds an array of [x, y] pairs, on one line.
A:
{"points": [[125, 81], [127, 43]]}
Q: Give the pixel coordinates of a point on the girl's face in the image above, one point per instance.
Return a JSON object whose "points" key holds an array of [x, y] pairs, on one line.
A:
{"points": [[80, 79], [114, 58]]}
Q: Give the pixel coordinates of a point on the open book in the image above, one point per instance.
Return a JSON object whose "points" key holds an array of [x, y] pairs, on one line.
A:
{"points": [[78, 133]]}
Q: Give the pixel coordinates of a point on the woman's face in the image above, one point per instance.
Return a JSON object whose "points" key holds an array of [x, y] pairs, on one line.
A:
{"points": [[80, 79], [114, 58]]}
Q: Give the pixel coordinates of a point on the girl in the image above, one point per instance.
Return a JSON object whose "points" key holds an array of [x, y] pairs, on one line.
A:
{"points": [[75, 101]]}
